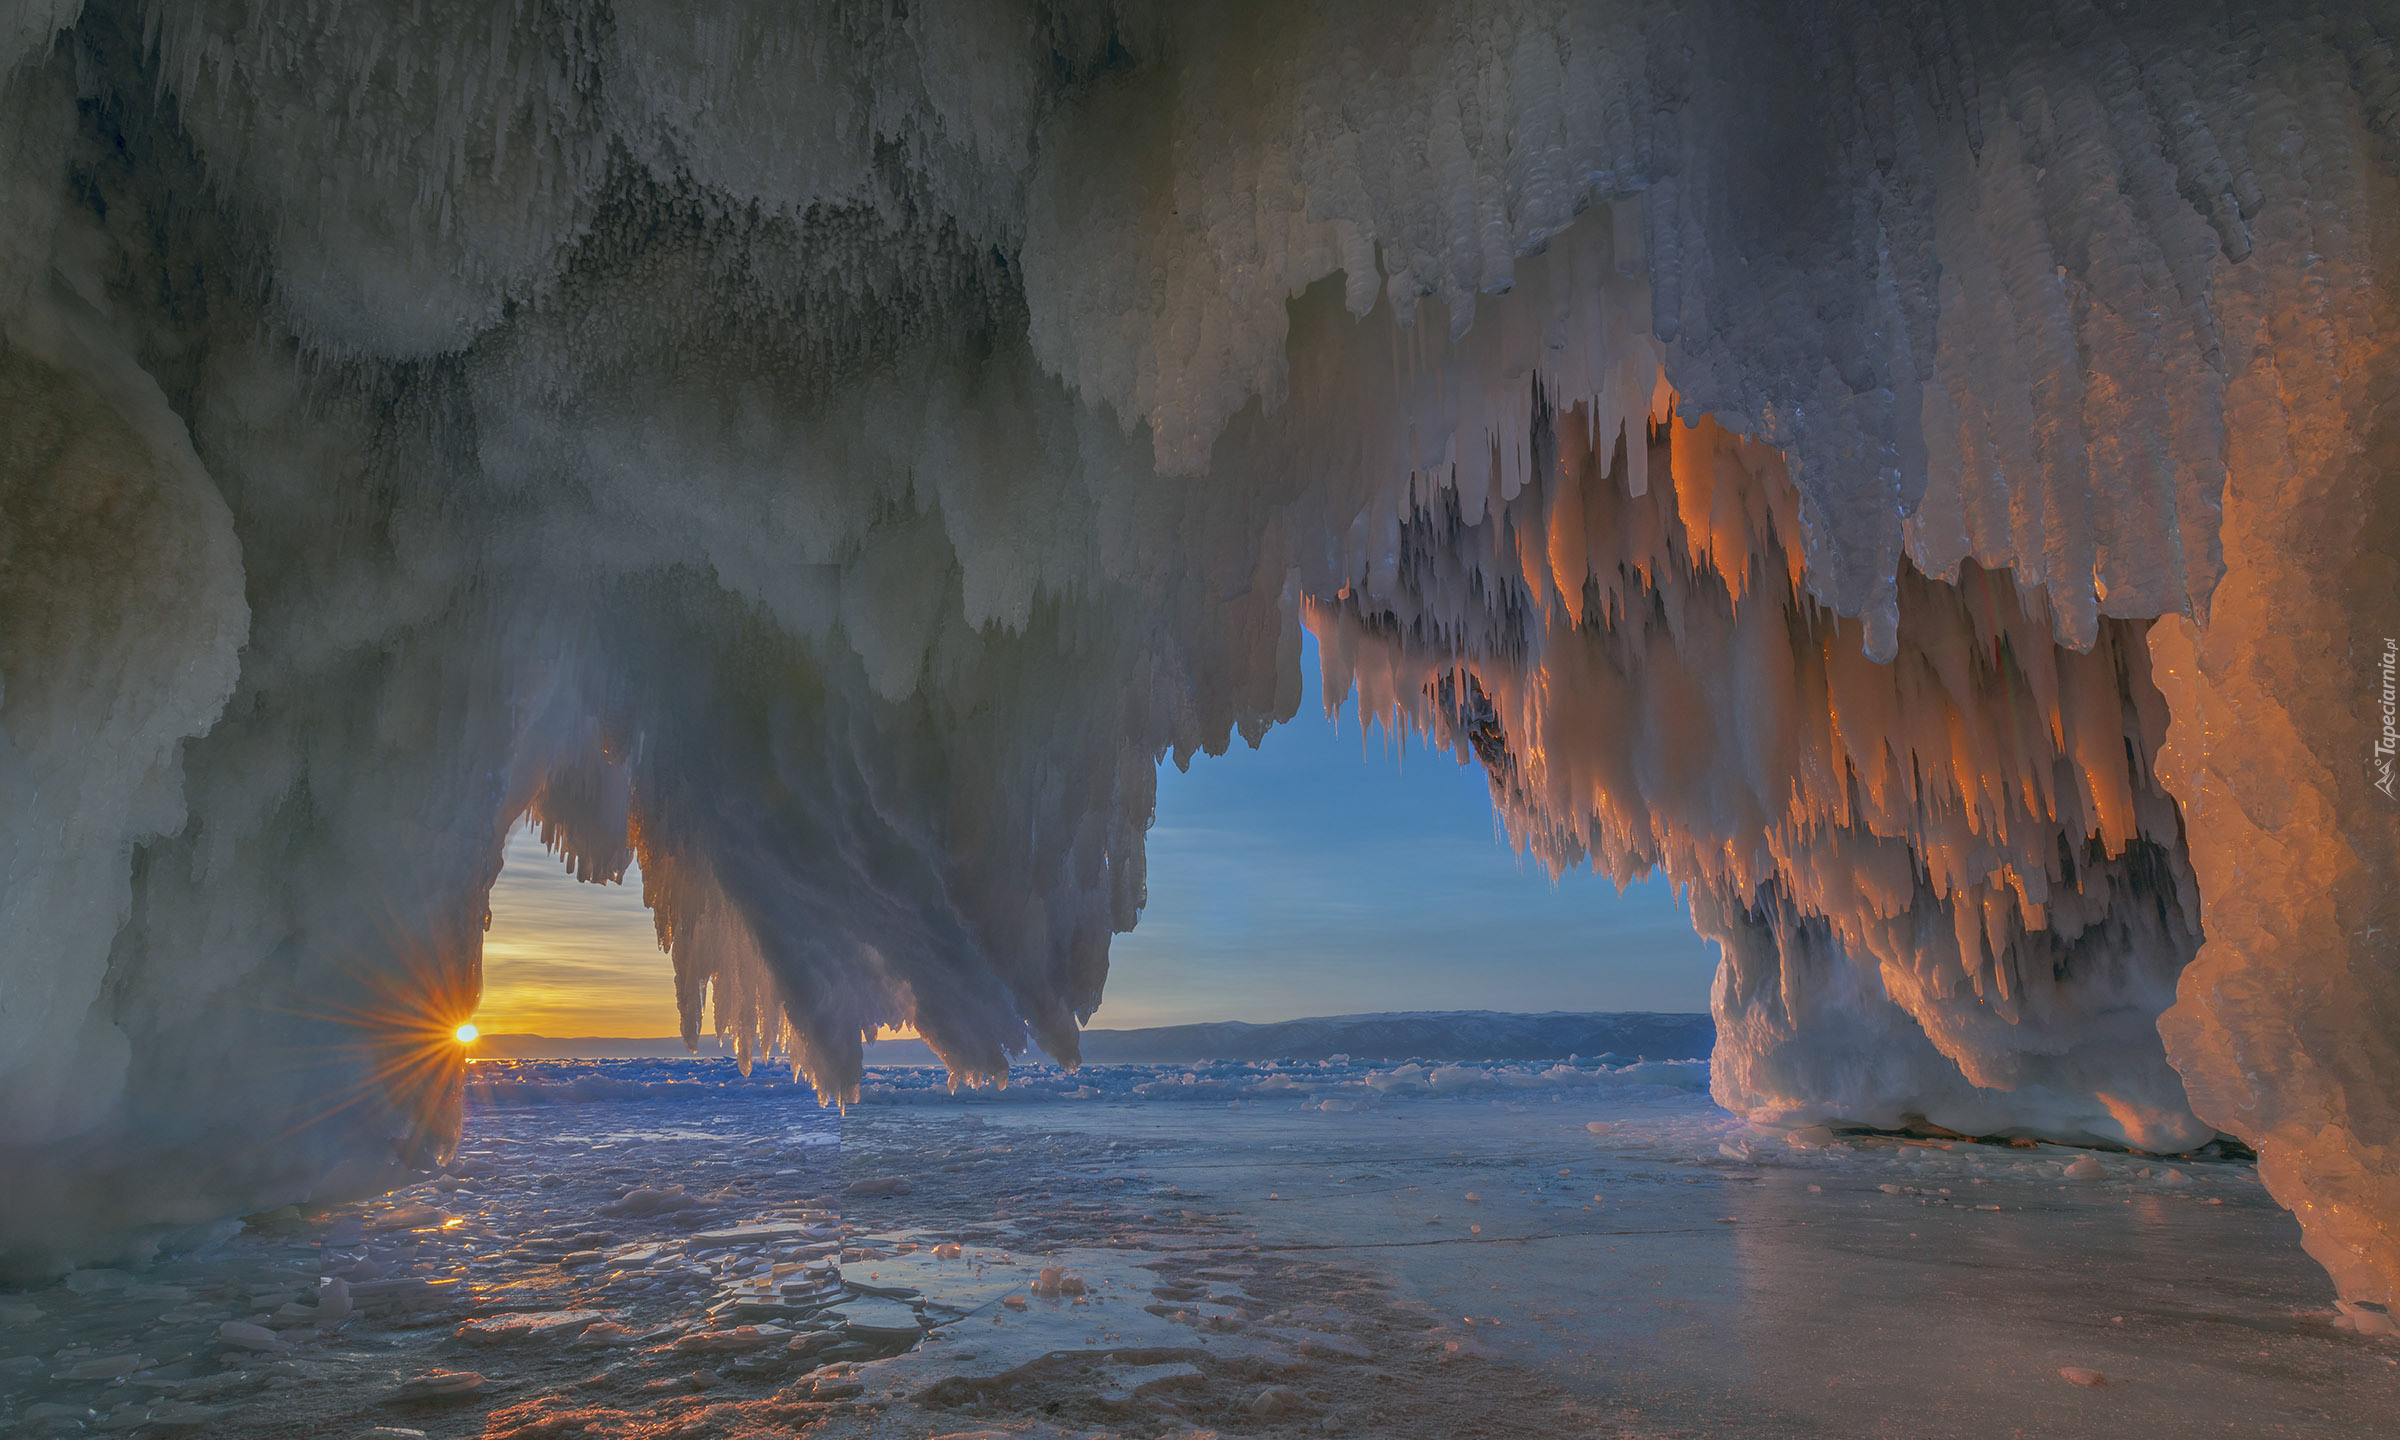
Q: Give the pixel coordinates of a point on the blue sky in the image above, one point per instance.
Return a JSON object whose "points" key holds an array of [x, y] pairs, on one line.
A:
{"points": [[1312, 876], [1318, 875]]}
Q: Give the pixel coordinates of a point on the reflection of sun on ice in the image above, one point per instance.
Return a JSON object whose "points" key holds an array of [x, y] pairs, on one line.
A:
{"points": [[466, 1034]]}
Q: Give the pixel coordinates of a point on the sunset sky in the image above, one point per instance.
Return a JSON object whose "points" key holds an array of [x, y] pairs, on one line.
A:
{"points": [[565, 958], [1313, 876]]}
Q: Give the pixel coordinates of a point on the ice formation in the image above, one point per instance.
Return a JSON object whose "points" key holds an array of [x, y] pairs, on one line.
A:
{"points": [[1946, 886], [1913, 472]]}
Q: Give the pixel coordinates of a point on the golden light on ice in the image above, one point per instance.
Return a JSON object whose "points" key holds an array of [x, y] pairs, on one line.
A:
{"points": [[466, 1034]]}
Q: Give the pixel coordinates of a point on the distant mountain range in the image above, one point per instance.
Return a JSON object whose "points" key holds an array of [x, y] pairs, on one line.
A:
{"points": [[1413, 1035]]}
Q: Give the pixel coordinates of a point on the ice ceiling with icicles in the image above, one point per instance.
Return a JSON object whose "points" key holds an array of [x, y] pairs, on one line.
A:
{"points": [[1917, 474]]}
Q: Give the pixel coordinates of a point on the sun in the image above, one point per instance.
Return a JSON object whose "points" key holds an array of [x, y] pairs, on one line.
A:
{"points": [[466, 1034]]}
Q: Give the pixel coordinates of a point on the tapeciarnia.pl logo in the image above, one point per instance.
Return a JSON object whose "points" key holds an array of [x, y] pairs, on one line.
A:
{"points": [[2387, 745]]}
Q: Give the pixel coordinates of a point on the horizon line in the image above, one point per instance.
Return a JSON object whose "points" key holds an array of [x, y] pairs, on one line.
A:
{"points": [[490, 1035]]}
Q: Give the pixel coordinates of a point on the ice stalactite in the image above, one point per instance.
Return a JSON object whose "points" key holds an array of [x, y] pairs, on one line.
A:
{"points": [[1947, 887], [834, 450]]}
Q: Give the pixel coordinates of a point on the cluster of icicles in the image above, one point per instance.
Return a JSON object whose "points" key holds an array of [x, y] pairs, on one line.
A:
{"points": [[586, 814], [1974, 826], [1962, 852]]}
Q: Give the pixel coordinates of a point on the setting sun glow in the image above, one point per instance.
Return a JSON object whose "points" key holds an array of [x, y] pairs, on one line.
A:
{"points": [[466, 1034]]}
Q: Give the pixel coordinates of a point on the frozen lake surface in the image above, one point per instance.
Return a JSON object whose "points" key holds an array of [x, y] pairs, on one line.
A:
{"points": [[650, 1249]]}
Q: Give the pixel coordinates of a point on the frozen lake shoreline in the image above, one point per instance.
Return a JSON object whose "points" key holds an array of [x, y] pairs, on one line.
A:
{"points": [[641, 1248]]}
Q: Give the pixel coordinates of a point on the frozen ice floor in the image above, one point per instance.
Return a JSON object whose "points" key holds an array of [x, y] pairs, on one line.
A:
{"points": [[1686, 1274], [400, 1312], [636, 1249]]}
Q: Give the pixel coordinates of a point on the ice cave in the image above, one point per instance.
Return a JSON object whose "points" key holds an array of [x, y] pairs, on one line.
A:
{"points": [[1920, 476]]}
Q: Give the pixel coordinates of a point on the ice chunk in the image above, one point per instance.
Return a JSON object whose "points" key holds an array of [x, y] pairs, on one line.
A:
{"points": [[530, 1325], [438, 1385], [879, 1185], [243, 1335], [739, 1340], [333, 1302], [878, 1319], [1276, 1400]]}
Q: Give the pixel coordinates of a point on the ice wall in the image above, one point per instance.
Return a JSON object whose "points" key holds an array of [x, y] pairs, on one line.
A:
{"points": [[2287, 1026], [833, 450]]}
